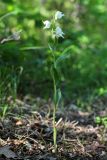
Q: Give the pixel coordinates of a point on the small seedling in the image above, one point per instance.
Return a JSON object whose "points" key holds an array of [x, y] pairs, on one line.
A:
{"points": [[101, 120]]}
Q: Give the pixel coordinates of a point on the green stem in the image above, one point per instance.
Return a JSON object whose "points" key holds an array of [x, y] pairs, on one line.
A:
{"points": [[55, 101], [54, 116]]}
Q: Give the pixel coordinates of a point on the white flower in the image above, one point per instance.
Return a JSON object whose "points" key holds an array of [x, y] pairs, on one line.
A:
{"points": [[16, 35], [59, 32], [47, 24], [58, 15]]}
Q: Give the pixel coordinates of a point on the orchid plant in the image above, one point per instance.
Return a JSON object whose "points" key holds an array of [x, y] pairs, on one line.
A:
{"points": [[56, 33]]}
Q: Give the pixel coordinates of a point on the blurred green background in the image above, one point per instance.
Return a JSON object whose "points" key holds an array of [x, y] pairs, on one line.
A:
{"points": [[83, 74]]}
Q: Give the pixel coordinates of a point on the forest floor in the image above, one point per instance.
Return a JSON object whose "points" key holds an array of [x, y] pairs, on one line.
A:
{"points": [[30, 135]]}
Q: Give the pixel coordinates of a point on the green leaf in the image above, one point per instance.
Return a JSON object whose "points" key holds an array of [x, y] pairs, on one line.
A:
{"points": [[59, 95], [54, 73], [32, 48], [98, 120], [64, 55]]}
